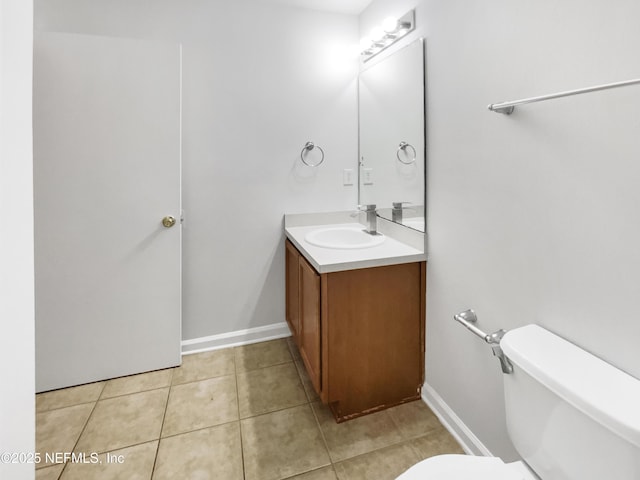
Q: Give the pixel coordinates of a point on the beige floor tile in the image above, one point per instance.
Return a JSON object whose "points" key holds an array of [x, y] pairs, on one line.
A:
{"points": [[414, 419], [264, 354], [384, 464], [438, 442], [282, 444], [269, 389], [132, 463], [67, 397], [49, 473], [306, 382], [278, 434], [124, 421], [137, 383], [201, 404], [57, 431], [213, 453], [326, 473], [357, 436], [200, 366]]}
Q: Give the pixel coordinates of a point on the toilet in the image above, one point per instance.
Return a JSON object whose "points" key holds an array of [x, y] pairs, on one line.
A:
{"points": [[570, 416]]}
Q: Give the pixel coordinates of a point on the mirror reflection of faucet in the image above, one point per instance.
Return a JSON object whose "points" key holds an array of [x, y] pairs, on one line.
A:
{"points": [[396, 211]]}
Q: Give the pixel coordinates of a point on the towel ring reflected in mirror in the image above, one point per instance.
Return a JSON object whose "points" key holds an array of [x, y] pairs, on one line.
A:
{"points": [[306, 149], [403, 147]]}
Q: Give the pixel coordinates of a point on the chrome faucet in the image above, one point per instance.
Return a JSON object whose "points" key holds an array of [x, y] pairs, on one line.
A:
{"points": [[396, 211], [372, 218]]}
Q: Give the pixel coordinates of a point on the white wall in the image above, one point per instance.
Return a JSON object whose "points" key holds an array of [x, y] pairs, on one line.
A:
{"points": [[260, 80], [17, 401], [532, 218]]}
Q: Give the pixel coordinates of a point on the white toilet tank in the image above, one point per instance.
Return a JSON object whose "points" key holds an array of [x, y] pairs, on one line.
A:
{"points": [[570, 415]]}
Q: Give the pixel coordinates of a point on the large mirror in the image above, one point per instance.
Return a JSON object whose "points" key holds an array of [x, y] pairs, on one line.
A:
{"points": [[391, 96]]}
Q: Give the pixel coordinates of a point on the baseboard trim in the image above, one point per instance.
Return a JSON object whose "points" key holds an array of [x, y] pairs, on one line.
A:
{"points": [[463, 434], [234, 339]]}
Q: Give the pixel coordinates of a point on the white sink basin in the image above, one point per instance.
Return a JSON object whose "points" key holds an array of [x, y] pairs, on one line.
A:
{"points": [[343, 237]]}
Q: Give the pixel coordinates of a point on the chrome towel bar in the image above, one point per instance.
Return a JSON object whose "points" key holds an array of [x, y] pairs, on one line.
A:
{"points": [[467, 319], [507, 107]]}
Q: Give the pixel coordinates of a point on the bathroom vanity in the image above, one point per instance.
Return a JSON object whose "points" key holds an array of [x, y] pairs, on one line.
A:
{"points": [[358, 319], [355, 302]]}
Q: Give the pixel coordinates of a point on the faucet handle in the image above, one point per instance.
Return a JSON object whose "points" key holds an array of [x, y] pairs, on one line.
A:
{"points": [[399, 204], [367, 208]]}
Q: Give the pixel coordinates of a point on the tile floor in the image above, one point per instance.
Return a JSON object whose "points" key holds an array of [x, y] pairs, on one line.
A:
{"points": [[240, 413]]}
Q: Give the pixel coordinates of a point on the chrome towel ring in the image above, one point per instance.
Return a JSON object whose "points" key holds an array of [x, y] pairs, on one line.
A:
{"points": [[306, 149], [403, 146]]}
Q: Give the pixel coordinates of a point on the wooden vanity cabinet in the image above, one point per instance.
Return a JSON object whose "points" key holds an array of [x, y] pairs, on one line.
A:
{"points": [[360, 332], [292, 312], [309, 335], [303, 311]]}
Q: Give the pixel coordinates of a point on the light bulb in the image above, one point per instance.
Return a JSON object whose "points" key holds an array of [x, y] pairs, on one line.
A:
{"points": [[390, 24]]}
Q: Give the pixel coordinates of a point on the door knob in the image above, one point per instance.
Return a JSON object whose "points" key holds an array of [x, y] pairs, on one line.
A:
{"points": [[168, 221]]}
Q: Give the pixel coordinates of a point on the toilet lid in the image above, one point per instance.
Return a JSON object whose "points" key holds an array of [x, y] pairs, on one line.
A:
{"points": [[460, 467]]}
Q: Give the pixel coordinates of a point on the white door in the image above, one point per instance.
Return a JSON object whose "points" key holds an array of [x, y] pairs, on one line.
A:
{"points": [[106, 173]]}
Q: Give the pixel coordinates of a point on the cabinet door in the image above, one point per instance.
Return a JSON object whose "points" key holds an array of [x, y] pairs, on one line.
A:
{"points": [[292, 288], [310, 321], [375, 334]]}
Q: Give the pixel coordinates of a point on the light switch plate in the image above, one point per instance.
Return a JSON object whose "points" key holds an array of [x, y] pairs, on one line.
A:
{"points": [[367, 176], [347, 176]]}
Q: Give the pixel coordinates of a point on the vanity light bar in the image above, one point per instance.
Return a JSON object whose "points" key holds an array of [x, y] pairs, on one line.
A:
{"points": [[385, 35]]}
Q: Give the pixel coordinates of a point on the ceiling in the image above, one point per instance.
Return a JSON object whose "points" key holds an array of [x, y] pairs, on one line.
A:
{"points": [[353, 7]]}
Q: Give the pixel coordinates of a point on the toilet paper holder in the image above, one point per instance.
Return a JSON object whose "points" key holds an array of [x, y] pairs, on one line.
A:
{"points": [[468, 318]]}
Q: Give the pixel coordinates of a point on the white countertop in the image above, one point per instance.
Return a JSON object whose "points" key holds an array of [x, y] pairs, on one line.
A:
{"points": [[327, 260]]}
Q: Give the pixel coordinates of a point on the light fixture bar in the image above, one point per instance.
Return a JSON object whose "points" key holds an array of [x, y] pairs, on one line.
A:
{"points": [[386, 35]]}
